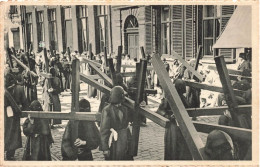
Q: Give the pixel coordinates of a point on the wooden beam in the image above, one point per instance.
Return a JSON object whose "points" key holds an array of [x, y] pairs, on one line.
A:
{"points": [[227, 88], [75, 98], [191, 69], [149, 91], [128, 102], [230, 71], [24, 66], [239, 133], [46, 75], [138, 100], [101, 74], [211, 87], [157, 118], [63, 116], [142, 52], [197, 61], [235, 77], [187, 128], [119, 59], [243, 109], [112, 70]]}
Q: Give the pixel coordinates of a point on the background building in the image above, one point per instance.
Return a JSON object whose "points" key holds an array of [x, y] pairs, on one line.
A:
{"points": [[162, 29]]}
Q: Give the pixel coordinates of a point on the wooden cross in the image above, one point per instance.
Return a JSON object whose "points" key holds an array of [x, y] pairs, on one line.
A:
{"points": [[227, 88], [119, 59], [141, 75], [187, 128], [75, 87]]}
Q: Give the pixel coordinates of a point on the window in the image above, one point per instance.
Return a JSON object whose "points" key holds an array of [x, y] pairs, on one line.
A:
{"points": [[53, 28], [40, 26], [67, 12], [29, 29], [102, 27], [83, 28], [68, 27], [214, 20], [165, 30]]}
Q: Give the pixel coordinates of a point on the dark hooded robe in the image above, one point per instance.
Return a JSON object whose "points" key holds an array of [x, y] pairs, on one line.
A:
{"points": [[51, 99], [219, 146], [87, 131], [175, 146], [117, 117], [12, 130], [39, 137]]}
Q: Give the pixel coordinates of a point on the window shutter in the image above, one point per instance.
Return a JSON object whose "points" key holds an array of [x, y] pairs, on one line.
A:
{"points": [[148, 29], [189, 33], [177, 29], [227, 11]]}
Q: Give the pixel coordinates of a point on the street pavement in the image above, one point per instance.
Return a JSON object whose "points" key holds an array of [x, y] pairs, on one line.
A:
{"points": [[151, 139]]}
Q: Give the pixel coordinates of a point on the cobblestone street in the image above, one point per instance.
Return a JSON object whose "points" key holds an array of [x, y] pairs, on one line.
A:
{"points": [[151, 139]]}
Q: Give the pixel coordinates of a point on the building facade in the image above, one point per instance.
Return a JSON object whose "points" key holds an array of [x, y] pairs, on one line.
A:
{"points": [[162, 29]]}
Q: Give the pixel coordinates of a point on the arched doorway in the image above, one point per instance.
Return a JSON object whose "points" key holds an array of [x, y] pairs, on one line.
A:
{"points": [[131, 37]]}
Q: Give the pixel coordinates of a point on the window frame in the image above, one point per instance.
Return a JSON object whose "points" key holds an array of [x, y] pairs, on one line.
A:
{"points": [[168, 25], [40, 23], [52, 18], [105, 16], [81, 17]]}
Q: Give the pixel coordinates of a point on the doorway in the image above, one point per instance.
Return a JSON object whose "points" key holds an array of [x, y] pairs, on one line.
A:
{"points": [[131, 37]]}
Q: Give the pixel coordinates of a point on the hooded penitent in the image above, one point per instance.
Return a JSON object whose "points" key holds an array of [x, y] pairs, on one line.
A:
{"points": [[219, 146], [38, 135], [117, 95], [87, 131]]}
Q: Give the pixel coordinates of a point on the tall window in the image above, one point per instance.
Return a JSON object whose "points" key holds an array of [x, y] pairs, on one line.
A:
{"points": [[40, 26], [29, 29], [165, 30], [102, 27], [214, 21], [68, 27], [53, 28], [83, 28]]}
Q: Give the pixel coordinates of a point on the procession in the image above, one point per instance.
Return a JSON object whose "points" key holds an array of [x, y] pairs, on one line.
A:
{"points": [[100, 93]]}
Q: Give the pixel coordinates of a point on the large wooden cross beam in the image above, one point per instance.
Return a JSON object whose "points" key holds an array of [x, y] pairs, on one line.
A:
{"points": [[211, 87], [227, 87], [24, 66], [190, 68], [187, 128]]}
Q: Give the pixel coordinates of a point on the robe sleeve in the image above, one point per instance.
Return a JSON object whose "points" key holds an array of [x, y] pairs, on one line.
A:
{"points": [[93, 137], [105, 129], [28, 128], [66, 147]]}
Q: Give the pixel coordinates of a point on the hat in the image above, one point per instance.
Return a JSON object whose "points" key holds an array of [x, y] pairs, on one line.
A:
{"points": [[117, 95], [36, 106], [84, 105]]}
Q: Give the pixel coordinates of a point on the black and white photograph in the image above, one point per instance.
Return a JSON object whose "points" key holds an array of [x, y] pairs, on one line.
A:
{"points": [[110, 82]]}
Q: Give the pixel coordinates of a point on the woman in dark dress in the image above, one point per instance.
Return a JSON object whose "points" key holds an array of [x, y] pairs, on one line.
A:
{"points": [[39, 138], [115, 134]]}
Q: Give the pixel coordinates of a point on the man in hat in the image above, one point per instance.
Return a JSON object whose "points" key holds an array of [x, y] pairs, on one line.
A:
{"points": [[115, 134]]}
